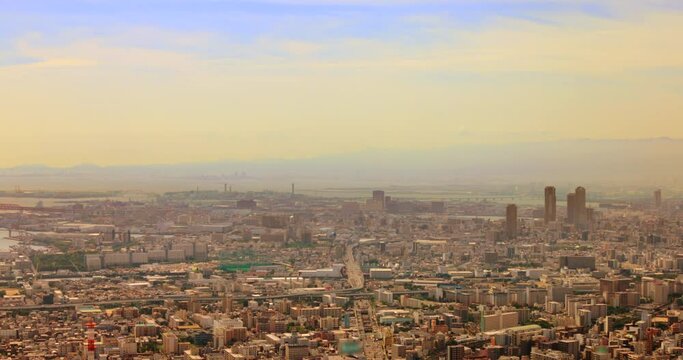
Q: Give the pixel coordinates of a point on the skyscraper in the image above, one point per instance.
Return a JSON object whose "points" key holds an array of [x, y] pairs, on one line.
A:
{"points": [[378, 198], [581, 217], [571, 208], [550, 204], [658, 197], [511, 221]]}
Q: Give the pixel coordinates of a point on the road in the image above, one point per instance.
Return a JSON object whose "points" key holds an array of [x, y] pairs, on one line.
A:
{"points": [[347, 292], [353, 269], [368, 327], [366, 321], [354, 274], [354, 293]]}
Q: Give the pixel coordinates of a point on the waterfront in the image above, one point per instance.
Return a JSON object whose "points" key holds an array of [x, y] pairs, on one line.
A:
{"points": [[6, 242]]}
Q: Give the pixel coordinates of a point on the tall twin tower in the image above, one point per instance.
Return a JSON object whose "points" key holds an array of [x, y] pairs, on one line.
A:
{"points": [[550, 204], [577, 213]]}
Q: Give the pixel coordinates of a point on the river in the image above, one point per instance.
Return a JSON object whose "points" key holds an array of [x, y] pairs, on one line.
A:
{"points": [[6, 242]]}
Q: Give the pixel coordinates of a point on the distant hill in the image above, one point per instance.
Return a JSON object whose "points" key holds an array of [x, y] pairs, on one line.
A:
{"points": [[646, 161]]}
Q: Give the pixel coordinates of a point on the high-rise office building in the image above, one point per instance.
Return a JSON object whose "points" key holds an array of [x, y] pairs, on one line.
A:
{"points": [[296, 351], [581, 216], [227, 303], [577, 262], [571, 208], [550, 213], [658, 198], [378, 198], [455, 352], [569, 346], [590, 213], [511, 221]]}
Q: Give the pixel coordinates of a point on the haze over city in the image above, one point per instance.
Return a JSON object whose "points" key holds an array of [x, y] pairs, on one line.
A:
{"points": [[341, 179]]}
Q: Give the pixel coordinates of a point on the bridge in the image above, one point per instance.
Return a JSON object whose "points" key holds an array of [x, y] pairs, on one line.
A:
{"points": [[15, 207], [346, 292]]}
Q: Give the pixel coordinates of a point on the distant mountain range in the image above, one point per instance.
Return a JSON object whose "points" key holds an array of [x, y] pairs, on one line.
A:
{"points": [[645, 161]]}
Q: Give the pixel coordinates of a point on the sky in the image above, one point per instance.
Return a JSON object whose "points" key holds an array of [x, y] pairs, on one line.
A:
{"points": [[113, 82]]}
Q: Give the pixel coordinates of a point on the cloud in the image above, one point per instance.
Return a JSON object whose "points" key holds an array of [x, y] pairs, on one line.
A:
{"points": [[98, 52], [566, 43], [62, 63], [560, 40], [293, 88], [571, 44], [300, 48]]}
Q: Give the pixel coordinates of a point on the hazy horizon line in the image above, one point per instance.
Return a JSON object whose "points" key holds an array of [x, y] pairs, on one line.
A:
{"points": [[266, 160]]}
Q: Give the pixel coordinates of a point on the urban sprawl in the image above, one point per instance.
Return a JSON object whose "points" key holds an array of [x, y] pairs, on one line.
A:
{"points": [[262, 275]]}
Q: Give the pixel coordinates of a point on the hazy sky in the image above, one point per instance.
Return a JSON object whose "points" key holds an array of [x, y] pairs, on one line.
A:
{"points": [[163, 81]]}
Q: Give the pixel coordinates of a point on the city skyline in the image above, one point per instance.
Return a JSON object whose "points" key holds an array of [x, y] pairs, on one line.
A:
{"points": [[341, 179], [275, 275]]}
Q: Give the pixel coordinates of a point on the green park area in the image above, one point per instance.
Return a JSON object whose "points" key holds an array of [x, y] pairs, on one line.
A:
{"points": [[74, 261], [240, 267]]}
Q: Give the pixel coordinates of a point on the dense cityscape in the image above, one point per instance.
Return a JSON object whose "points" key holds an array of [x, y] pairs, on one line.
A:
{"points": [[264, 275], [341, 179]]}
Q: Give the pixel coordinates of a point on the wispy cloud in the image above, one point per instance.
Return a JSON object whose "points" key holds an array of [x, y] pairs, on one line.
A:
{"points": [[208, 79], [564, 41]]}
